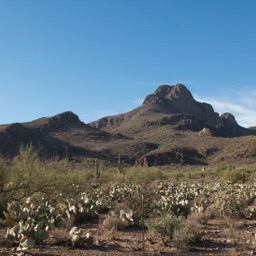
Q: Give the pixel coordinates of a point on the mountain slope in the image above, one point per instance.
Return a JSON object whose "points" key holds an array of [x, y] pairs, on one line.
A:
{"points": [[174, 105], [170, 127], [64, 135], [186, 131]]}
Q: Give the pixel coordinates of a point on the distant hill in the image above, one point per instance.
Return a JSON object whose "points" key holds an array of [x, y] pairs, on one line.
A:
{"points": [[64, 135], [175, 105], [170, 127], [39, 133]]}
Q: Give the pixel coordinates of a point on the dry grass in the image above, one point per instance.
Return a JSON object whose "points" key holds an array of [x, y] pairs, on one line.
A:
{"points": [[114, 223], [200, 217]]}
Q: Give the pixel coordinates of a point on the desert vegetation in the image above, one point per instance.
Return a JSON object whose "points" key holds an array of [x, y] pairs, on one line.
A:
{"points": [[51, 202]]}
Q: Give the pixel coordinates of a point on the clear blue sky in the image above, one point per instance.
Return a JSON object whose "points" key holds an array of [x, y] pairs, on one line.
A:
{"points": [[99, 58]]}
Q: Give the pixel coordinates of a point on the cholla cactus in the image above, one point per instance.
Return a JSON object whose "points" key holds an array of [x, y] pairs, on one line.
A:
{"points": [[124, 215], [250, 213], [80, 238], [228, 205], [200, 205], [75, 235], [119, 219]]}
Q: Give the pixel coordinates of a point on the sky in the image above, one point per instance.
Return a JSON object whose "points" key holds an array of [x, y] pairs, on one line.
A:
{"points": [[103, 57]]}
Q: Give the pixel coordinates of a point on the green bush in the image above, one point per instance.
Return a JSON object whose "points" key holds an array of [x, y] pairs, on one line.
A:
{"points": [[186, 235], [141, 175], [228, 205], [27, 175], [178, 175], [174, 231], [234, 175], [225, 166], [165, 226]]}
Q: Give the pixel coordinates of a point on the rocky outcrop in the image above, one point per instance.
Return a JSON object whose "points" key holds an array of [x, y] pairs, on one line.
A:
{"points": [[180, 110], [205, 132], [108, 121], [176, 156], [232, 129], [179, 122], [60, 122], [178, 99]]}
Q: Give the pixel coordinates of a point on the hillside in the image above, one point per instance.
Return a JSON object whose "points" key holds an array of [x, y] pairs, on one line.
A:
{"points": [[170, 127], [175, 106]]}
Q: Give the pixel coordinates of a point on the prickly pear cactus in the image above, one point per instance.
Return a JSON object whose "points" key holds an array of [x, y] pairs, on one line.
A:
{"points": [[27, 233], [34, 222]]}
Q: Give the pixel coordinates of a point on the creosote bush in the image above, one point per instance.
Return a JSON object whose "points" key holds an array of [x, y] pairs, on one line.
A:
{"points": [[139, 175], [233, 175], [186, 235], [228, 205], [174, 231], [165, 226]]}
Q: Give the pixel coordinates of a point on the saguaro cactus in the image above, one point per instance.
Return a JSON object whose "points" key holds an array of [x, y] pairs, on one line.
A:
{"points": [[97, 171], [119, 165]]}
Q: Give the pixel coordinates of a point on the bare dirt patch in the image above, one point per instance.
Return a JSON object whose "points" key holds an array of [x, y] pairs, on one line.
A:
{"points": [[219, 237]]}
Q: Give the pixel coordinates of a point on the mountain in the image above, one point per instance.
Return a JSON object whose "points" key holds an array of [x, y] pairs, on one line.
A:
{"points": [[184, 130], [64, 135], [175, 105], [40, 134], [170, 127]]}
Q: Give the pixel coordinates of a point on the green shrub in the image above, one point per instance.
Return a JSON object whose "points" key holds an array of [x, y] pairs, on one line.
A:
{"points": [[224, 167], [233, 175], [142, 174], [228, 205], [165, 226], [178, 175], [186, 235], [174, 231], [27, 175]]}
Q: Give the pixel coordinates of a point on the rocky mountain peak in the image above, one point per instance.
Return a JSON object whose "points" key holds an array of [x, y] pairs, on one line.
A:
{"points": [[165, 94], [61, 121], [175, 105], [228, 117], [177, 99], [229, 122], [66, 117]]}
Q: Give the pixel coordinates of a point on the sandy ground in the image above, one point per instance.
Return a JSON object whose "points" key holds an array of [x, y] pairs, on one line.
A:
{"points": [[218, 238]]}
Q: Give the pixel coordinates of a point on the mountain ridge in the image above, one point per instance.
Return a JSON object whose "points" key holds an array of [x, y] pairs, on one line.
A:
{"points": [[176, 100], [170, 127]]}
